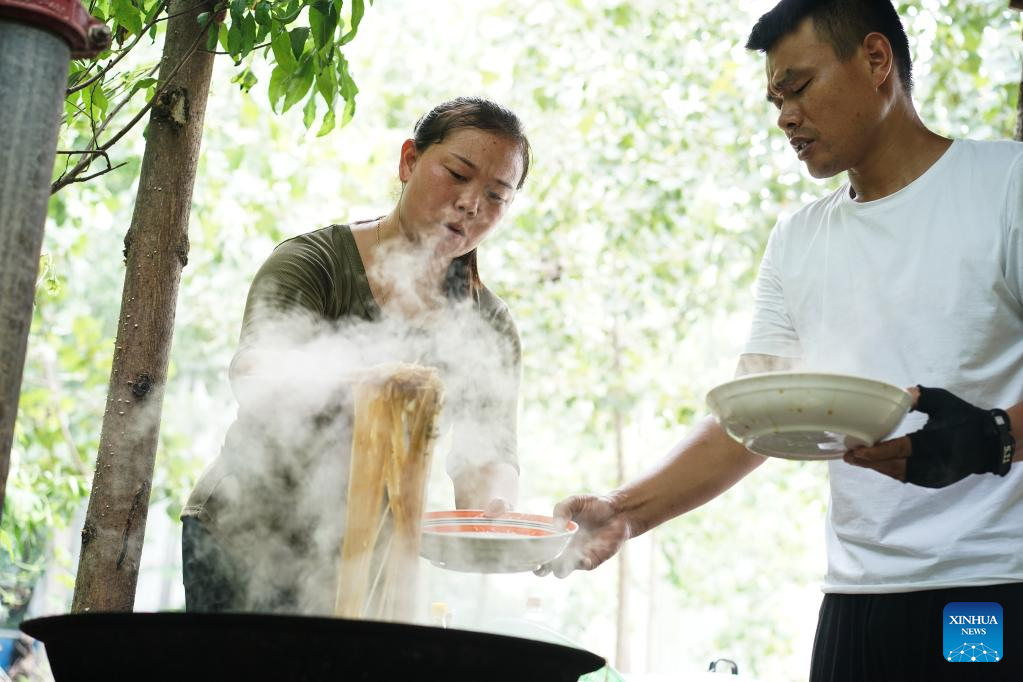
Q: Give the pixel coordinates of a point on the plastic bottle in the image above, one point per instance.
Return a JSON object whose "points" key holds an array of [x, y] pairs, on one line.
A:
{"points": [[440, 615]]}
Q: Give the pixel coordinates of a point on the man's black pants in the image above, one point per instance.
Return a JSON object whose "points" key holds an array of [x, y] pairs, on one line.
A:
{"points": [[899, 637]]}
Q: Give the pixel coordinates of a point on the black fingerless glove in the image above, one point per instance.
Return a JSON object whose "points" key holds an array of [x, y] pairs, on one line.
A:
{"points": [[958, 439]]}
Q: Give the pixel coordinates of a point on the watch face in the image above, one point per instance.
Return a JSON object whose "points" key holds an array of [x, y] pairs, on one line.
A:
{"points": [[1003, 428]]}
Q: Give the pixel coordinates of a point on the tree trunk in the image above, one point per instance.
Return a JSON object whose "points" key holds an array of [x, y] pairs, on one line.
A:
{"points": [[33, 75], [155, 250], [622, 658]]}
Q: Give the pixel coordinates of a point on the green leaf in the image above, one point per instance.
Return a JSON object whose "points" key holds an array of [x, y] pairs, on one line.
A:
{"points": [[211, 37], [323, 21], [127, 15], [262, 13], [326, 84], [238, 8], [152, 12], [288, 14], [70, 110], [278, 83], [249, 27], [327, 125], [245, 79], [348, 92], [317, 23], [309, 112], [262, 31], [234, 40], [142, 83], [298, 85], [95, 100], [281, 46], [358, 10], [298, 39]]}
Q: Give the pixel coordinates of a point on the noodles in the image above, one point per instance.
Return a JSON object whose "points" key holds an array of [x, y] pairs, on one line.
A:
{"points": [[396, 409]]}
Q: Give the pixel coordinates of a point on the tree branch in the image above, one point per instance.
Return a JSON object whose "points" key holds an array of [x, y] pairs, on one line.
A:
{"points": [[83, 151], [64, 119], [97, 174], [84, 73], [255, 47], [113, 62], [149, 105], [220, 5], [90, 153], [93, 148]]}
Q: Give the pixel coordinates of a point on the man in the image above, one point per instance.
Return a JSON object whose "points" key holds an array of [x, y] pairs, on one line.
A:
{"points": [[911, 273]]}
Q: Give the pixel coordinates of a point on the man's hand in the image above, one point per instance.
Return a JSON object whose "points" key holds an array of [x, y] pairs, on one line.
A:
{"points": [[602, 531], [959, 439]]}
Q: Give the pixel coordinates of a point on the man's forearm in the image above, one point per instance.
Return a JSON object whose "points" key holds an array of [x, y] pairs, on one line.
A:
{"points": [[703, 465]]}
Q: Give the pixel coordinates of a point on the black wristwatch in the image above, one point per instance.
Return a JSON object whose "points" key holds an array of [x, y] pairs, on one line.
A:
{"points": [[1003, 429]]}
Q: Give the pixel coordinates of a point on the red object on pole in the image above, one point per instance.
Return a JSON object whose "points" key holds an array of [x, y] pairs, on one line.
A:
{"points": [[87, 35]]}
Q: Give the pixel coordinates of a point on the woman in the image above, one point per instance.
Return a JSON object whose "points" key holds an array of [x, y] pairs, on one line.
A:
{"points": [[262, 528]]}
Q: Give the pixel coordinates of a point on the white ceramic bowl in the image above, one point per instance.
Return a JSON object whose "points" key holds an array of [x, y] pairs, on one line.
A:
{"points": [[465, 540], [802, 415]]}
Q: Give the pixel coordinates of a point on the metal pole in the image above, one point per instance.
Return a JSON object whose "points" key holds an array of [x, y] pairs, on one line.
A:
{"points": [[33, 75], [36, 45]]}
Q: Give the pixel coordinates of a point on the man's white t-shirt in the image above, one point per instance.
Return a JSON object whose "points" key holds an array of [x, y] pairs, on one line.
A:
{"points": [[924, 286]]}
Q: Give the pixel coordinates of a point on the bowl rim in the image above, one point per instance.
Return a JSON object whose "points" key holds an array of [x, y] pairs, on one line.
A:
{"points": [[725, 399], [462, 515], [884, 388]]}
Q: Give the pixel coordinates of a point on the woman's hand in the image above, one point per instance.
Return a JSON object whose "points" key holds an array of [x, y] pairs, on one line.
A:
{"points": [[492, 487], [497, 507]]}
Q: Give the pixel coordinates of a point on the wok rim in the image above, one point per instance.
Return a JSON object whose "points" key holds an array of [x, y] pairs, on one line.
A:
{"points": [[57, 628]]}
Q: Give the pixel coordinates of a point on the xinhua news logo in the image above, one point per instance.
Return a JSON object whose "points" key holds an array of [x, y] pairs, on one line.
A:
{"points": [[972, 632]]}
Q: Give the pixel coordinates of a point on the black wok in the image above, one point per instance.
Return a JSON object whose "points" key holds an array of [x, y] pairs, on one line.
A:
{"points": [[195, 647]]}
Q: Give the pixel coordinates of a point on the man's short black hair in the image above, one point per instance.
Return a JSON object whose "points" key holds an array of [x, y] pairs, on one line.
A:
{"points": [[841, 23]]}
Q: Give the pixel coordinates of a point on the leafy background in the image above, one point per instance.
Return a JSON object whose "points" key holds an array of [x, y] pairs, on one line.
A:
{"points": [[627, 261]]}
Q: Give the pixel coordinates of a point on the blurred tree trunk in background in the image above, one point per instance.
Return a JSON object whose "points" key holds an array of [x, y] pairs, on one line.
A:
{"points": [[622, 658], [1019, 111], [155, 251], [653, 576], [1018, 4]]}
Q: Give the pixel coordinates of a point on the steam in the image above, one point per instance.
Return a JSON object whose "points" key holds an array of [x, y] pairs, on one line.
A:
{"points": [[281, 509]]}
